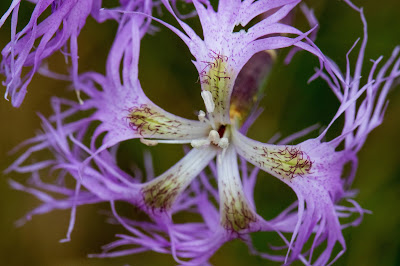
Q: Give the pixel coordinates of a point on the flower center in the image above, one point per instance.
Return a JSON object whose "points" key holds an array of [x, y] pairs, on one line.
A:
{"points": [[218, 138]]}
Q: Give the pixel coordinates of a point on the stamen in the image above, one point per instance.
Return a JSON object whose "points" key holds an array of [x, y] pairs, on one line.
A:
{"points": [[223, 143], [214, 137], [208, 101], [173, 141], [202, 116], [199, 143], [149, 142]]}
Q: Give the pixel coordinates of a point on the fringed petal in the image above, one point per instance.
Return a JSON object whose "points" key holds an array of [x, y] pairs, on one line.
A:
{"points": [[223, 52]]}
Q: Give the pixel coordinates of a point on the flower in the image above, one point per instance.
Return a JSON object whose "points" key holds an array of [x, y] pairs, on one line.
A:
{"points": [[313, 168], [126, 113]]}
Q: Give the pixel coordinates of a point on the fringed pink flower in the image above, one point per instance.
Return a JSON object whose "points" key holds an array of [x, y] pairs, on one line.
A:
{"points": [[121, 111]]}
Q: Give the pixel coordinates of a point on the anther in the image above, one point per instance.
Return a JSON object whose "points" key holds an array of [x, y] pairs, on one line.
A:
{"points": [[223, 143], [198, 143], [214, 137], [208, 101], [149, 142], [201, 116]]}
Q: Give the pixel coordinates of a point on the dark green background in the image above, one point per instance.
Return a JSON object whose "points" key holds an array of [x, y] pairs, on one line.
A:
{"points": [[168, 76]]}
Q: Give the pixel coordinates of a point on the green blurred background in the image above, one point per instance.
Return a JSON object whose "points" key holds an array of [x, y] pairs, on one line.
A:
{"points": [[168, 76]]}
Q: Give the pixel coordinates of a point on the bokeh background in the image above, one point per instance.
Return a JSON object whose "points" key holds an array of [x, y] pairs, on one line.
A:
{"points": [[169, 78]]}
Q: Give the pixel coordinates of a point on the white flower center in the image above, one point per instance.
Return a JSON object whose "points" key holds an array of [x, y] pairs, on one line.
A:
{"points": [[213, 138]]}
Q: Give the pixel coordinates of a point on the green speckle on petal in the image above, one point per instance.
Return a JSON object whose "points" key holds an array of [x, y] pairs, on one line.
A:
{"points": [[216, 78], [288, 162], [150, 122], [161, 193], [235, 212], [237, 215]]}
